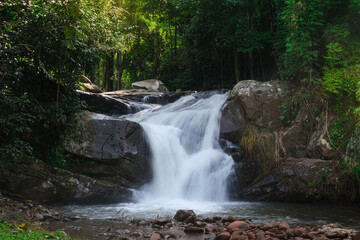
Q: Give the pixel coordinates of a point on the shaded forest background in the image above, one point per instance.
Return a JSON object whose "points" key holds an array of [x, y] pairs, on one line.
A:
{"points": [[188, 44]]}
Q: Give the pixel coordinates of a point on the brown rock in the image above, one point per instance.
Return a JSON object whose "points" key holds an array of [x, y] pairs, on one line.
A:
{"points": [[267, 226], [251, 235], [260, 235], [342, 234], [299, 231], [239, 237], [192, 229], [171, 234], [182, 214], [290, 232], [331, 235], [200, 224], [210, 228], [161, 221], [283, 225], [155, 236], [223, 236], [231, 219], [239, 225]]}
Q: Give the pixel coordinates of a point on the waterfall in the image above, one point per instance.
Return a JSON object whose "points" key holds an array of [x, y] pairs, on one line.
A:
{"points": [[187, 160]]}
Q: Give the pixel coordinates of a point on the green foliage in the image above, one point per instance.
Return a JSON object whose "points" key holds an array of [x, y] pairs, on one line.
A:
{"points": [[13, 232]]}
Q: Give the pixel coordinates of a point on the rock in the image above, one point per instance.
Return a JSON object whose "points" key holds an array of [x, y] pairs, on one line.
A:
{"points": [[155, 236], [182, 214], [150, 85], [104, 104], [300, 231], [88, 86], [267, 226], [91, 87], [253, 101], [193, 229], [110, 149], [43, 183], [283, 225], [200, 224], [331, 235], [171, 234], [260, 235], [239, 237], [321, 238], [238, 225], [210, 228], [161, 221], [39, 217], [223, 236], [84, 79], [290, 181]]}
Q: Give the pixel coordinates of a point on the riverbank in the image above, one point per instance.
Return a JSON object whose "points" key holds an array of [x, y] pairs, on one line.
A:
{"points": [[31, 216]]}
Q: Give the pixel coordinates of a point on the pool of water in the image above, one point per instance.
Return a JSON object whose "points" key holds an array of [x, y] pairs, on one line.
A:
{"points": [[295, 214]]}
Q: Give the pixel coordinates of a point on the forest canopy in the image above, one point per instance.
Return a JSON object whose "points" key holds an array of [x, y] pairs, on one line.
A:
{"points": [[45, 45]]}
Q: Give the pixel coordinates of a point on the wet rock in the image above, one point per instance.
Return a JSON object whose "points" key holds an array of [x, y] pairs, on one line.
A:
{"points": [[155, 236], [238, 224], [251, 235], [239, 237], [170, 234], [210, 228], [223, 236], [300, 231], [182, 214], [231, 219], [283, 225], [331, 235], [260, 235], [110, 149], [161, 221], [104, 104], [267, 226], [193, 229]]}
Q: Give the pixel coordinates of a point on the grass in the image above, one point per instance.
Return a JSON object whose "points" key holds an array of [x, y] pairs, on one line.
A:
{"points": [[261, 147], [9, 231]]}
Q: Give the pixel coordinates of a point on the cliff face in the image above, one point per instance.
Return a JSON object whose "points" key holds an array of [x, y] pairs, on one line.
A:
{"points": [[283, 133]]}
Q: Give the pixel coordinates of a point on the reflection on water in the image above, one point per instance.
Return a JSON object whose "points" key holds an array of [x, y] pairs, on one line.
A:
{"points": [[258, 212]]}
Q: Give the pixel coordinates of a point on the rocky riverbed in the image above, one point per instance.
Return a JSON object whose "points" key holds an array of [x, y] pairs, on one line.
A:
{"points": [[184, 225]]}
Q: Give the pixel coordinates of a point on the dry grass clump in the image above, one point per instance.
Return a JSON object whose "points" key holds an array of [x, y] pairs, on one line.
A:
{"points": [[263, 148]]}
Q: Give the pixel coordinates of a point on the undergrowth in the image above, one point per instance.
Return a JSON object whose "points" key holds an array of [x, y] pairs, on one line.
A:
{"points": [[10, 231]]}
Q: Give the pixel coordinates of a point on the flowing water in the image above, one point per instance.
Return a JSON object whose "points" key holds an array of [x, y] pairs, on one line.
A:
{"points": [[187, 160], [190, 171]]}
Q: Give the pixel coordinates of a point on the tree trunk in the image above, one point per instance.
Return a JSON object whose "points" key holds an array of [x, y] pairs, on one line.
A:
{"points": [[120, 64], [109, 72], [251, 65], [175, 39], [236, 65]]}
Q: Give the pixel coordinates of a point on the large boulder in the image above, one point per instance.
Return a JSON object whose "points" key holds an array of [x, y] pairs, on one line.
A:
{"points": [[150, 85], [293, 180], [104, 104], [255, 102], [34, 180], [112, 149], [87, 85]]}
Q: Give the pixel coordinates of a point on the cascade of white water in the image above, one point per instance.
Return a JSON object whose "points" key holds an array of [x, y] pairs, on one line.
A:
{"points": [[187, 160]]}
